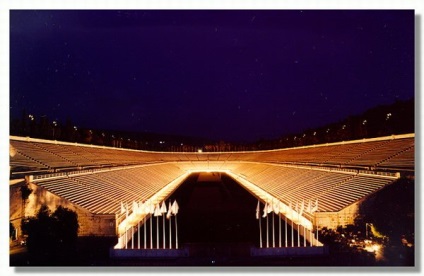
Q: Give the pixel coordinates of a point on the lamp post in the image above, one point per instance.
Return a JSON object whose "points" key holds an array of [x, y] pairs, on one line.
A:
{"points": [[54, 127], [75, 133]]}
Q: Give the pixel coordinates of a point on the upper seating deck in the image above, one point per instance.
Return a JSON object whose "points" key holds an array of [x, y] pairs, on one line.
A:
{"points": [[394, 152]]}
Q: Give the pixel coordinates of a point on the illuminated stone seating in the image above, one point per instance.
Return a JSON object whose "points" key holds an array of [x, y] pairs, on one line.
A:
{"points": [[291, 175], [103, 191], [35, 151], [22, 162], [385, 153], [401, 159]]}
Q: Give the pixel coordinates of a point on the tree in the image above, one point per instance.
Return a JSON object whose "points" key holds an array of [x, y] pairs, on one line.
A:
{"points": [[66, 227], [25, 192], [38, 231], [392, 210], [12, 231], [51, 237]]}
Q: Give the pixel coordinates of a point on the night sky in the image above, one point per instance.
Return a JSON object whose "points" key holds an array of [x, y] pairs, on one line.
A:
{"points": [[236, 75]]}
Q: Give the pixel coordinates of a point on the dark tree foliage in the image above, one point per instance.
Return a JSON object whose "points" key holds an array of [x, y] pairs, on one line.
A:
{"points": [[391, 210], [25, 192], [383, 120], [51, 237], [39, 232], [66, 227], [12, 231]]}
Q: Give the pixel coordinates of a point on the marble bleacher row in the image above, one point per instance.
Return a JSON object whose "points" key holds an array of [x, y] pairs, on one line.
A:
{"points": [[402, 159], [354, 154], [334, 190], [36, 156], [67, 156], [102, 192], [388, 153], [20, 161]]}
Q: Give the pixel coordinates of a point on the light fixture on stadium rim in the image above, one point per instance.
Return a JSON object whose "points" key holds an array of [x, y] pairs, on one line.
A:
{"points": [[364, 122], [54, 126]]}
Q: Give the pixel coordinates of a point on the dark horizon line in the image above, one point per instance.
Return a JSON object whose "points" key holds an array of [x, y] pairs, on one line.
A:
{"points": [[135, 133]]}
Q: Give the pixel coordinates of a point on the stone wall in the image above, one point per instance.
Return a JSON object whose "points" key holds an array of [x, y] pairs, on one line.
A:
{"points": [[333, 219], [89, 224], [16, 206]]}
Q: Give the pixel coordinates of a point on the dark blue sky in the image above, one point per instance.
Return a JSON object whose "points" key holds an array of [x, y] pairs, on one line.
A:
{"points": [[232, 75]]}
